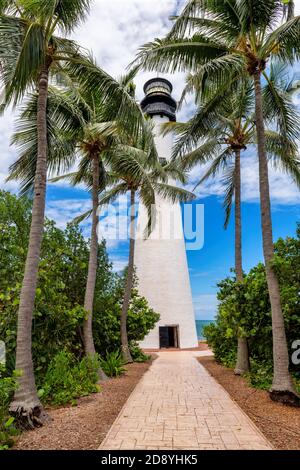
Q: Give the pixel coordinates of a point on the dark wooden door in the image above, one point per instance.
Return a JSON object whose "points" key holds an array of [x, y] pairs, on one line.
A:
{"points": [[164, 337]]}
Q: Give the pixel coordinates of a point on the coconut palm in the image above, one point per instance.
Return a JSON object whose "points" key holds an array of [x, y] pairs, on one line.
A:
{"points": [[225, 40], [93, 139], [28, 52], [288, 9], [31, 53], [232, 131], [132, 170]]}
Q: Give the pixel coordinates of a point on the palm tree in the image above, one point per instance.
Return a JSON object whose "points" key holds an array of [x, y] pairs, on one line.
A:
{"points": [[289, 9], [30, 54], [225, 40], [133, 170], [232, 130], [93, 139]]}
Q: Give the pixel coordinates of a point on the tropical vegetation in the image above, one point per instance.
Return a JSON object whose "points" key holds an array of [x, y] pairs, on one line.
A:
{"points": [[248, 304], [66, 318], [59, 315]]}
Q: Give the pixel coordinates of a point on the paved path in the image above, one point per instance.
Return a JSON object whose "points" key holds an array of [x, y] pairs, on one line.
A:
{"points": [[178, 405]]}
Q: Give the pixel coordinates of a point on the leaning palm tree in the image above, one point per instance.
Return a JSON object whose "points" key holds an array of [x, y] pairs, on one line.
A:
{"points": [[132, 170], [225, 40], [30, 55], [232, 131], [29, 51]]}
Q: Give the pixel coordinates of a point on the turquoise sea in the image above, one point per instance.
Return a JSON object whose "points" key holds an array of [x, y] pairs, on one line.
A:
{"points": [[199, 326]]}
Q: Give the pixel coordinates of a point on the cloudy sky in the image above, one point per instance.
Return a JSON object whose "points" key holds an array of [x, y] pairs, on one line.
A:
{"points": [[114, 31]]}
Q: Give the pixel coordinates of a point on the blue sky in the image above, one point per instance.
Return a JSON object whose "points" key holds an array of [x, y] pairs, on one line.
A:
{"points": [[114, 34]]}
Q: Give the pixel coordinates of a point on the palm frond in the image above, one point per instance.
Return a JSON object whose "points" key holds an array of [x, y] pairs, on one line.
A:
{"points": [[109, 196], [64, 122], [278, 106], [228, 181], [108, 92], [219, 163], [205, 152], [82, 217], [284, 42], [173, 193], [22, 53], [179, 55]]}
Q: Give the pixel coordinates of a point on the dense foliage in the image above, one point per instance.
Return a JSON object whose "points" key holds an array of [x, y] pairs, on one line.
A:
{"points": [[58, 314], [246, 306], [67, 379], [7, 428]]}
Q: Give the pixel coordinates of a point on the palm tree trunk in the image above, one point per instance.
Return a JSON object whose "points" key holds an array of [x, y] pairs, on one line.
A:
{"points": [[242, 363], [88, 340], [129, 283], [26, 406], [282, 387]]}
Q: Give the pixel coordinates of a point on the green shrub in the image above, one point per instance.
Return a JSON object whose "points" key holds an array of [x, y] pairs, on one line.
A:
{"points": [[58, 315], [7, 428], [223, 343], [244, 308], [137, 354], [106, 319], [113, 364], [67, 379], [260, 375]]}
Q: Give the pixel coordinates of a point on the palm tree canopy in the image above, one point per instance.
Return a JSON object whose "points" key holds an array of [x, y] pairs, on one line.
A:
{"points": [[30, 40], [213, 137], [76, 128], [132, 169], [224, 40]]}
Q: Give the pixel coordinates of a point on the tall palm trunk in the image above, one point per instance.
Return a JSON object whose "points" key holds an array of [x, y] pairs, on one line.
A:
{"points": [[26, 406], [282, 387], [89, 346], [129, 283], [242, 363]]}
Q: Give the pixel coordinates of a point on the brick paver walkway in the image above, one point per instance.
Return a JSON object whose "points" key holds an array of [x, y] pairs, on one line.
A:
{"points": [[178, 405]]}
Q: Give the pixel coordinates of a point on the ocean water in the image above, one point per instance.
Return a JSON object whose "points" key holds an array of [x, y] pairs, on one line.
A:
{"points": [[199, 326]]}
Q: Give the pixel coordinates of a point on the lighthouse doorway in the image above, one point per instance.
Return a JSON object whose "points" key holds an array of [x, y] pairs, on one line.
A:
{"points": [[168, 337]]}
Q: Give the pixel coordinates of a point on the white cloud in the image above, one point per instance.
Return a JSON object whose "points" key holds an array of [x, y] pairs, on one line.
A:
{"points": [[114, 31], [283, 190], [64, 211], [205, 306], [119, 263]]}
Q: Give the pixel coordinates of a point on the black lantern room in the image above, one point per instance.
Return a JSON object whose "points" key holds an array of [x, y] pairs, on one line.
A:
{"points": [[158, 100]]}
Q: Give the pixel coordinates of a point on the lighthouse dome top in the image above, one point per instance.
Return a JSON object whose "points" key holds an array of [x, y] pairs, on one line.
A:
{"points": [[158, 84], [158, 99]]}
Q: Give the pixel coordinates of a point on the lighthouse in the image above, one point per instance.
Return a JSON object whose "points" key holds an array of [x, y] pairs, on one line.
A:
{"points": [[160, 260]]}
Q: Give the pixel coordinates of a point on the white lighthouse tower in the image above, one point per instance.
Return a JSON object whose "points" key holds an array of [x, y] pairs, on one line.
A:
{"points": [[160, 260]]}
